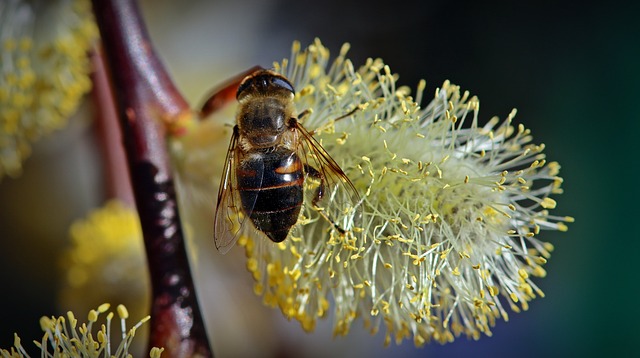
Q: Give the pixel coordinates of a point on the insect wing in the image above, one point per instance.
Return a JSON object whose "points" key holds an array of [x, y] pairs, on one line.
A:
{"points": [[339, 192], [231, 212], [224, 94]]}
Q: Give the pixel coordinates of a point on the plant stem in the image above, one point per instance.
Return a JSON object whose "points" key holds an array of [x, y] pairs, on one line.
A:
{"points": [[147, 101], [116, 171]]}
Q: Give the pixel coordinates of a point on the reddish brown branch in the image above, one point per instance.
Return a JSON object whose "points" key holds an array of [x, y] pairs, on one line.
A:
{"points": [[146, 101], [116, 173]]}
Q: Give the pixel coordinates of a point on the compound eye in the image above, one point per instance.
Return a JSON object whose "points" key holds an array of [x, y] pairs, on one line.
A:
{"points": [[243, 86], [283, 83], [262, 82]]}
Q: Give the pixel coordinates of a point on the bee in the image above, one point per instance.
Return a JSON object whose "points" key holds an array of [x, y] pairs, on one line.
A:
{"points": [[270, 157]]}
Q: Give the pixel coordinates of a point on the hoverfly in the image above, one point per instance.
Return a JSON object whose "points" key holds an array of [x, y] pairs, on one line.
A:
{"points": [[269, 158]]}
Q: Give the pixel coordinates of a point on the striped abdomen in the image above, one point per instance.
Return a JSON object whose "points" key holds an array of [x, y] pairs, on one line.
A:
{"points": [[272, 184]]}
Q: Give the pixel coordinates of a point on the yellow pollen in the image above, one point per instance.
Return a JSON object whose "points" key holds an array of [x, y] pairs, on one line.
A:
{"points": [[122, 312], [93, 316], [548, 203]]}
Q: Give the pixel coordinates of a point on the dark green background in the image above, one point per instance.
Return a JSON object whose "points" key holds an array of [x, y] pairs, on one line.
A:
{"points": [[571, 70]]}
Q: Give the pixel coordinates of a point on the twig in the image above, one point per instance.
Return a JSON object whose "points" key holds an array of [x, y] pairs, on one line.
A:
{"points": [[147, 101]]}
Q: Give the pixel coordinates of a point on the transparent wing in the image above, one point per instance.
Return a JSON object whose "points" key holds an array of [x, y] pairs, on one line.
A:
{"points": [[335, 194], [232, 212], [224, 94]]}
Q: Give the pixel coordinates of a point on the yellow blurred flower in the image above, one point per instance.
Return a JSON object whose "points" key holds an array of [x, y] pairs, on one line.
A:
{"points": [[105, 261], [63, 337], [450, 211], [44, 71]]}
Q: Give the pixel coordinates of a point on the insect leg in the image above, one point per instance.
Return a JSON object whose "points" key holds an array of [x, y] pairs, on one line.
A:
{"points": [[304, 113], [316, 174], [319, 194], [351, 112]]}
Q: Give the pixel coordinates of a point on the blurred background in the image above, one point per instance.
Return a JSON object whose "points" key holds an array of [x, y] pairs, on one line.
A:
{"points": [[570, 70]]}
